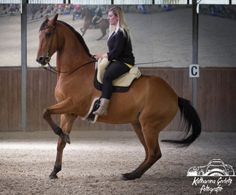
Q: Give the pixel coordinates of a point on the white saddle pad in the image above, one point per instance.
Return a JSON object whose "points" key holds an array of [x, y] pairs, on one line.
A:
{"points": [[124, 80]]}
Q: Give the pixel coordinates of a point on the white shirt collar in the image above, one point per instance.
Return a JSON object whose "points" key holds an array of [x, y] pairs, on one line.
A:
{"points": [[117, 28]]}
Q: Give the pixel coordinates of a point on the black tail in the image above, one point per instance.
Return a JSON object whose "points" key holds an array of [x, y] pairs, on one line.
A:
{"points": [[192, 121]]}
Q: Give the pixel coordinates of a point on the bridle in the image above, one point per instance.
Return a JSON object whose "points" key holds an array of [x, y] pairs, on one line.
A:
{"points": [[54, 70]]}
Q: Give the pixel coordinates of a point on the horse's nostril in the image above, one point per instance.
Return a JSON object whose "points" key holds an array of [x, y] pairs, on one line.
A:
{"points": [[39, 59]]}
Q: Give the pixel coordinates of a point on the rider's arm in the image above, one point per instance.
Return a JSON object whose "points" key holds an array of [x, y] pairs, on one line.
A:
{"points": [[116, 45]]}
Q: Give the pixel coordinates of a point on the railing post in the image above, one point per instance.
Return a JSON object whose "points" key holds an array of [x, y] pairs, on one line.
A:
{"points": [[194, 49], [24, 65]]}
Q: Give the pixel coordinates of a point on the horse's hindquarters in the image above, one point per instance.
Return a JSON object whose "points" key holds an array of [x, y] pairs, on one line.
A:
{"points": [[148, 97]]}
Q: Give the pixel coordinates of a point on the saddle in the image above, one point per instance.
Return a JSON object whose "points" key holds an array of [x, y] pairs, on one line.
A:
{"points": [[120, 84]]}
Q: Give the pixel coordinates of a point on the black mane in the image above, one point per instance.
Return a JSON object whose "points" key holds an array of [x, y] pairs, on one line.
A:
{"points": [[79, 37]]}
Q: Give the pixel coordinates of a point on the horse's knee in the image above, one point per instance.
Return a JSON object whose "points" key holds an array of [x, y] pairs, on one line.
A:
{"points": [[46, 114]]}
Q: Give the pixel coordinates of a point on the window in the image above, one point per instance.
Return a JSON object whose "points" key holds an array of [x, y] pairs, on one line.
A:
{"points": [[214, 2], [132, 2], [217, 29], [91, 2], [171, 2], [10, 38], [45, 1]]}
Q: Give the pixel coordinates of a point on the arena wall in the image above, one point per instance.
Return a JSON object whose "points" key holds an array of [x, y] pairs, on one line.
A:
{"points": [[216, 94]]}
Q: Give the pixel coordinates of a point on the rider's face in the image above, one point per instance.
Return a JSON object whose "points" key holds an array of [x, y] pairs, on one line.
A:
{"points": [[113, 19]]}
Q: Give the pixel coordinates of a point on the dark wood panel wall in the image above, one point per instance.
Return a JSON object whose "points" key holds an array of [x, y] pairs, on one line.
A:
{"points": [[217, 99], [10, 99], [216, 95]]}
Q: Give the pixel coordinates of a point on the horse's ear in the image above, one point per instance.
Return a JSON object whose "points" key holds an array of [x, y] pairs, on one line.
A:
{"points": [[54, 19], [44, 24]]}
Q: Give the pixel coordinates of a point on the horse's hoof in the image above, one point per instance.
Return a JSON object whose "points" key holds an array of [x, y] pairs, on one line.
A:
{"points": [[129, 176], [53, 176], [65, 138]]}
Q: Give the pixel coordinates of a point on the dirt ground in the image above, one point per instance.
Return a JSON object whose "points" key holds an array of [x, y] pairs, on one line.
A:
{"points": [[94, 161]]}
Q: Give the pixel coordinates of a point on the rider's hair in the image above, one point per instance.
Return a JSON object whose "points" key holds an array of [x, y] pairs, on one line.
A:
{"points": [[122, 25]]}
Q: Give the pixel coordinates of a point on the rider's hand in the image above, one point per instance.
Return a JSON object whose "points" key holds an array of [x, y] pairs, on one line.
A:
{"points": [[103, 55]]}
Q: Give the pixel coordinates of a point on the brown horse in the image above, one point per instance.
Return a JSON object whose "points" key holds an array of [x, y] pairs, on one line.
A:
{"points": [[103, 24], [150, 103]]}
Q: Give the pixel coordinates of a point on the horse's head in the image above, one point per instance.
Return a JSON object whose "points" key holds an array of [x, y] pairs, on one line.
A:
{"points": [[47, 41]]}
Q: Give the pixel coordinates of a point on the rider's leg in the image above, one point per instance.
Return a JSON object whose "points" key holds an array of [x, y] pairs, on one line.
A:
{"points": [[113, 71]]}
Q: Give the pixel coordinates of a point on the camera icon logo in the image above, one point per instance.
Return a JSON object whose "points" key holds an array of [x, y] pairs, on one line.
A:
{"points": [[215, 167]]}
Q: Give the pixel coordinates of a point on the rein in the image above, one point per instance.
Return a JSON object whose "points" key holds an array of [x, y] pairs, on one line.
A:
{"points": [[54, 70], [50, 68]]}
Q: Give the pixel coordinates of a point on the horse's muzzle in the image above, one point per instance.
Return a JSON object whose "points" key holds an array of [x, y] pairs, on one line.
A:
{"points": [[43, 60]]}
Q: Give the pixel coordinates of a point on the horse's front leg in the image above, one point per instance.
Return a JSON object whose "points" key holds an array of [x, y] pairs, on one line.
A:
{"points": [[84, 29], [62, 107], [66, 124]]}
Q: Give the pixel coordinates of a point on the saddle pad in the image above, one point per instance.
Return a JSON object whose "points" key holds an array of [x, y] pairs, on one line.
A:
{"points": [[124, 80]]}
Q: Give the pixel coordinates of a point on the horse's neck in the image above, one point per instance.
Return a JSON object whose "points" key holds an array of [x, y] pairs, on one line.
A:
{"points": [[71, 54], [75, 61]]}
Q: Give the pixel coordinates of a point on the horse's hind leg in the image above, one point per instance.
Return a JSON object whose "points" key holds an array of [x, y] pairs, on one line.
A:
{"points": [[103, 34], [66, 124], [153, 152], [138, 130], [84, 29], [81, 29]]}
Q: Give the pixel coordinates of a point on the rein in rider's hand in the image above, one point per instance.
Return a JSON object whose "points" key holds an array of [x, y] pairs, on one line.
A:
{"points": [[101, 55]]}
